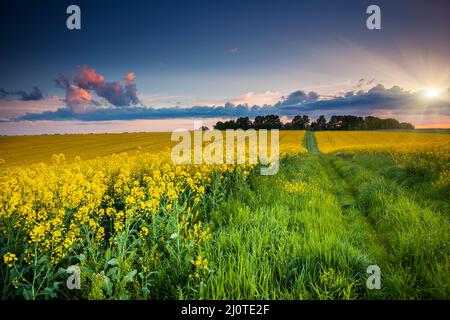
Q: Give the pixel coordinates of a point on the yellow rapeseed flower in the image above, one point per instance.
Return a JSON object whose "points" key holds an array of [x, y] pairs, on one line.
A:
{"points": [[9, 259]]}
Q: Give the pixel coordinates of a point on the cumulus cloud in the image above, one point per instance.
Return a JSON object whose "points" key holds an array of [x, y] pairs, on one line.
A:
{"points": [[78, 90], [34, 95], [297, 98], [78, 99]]}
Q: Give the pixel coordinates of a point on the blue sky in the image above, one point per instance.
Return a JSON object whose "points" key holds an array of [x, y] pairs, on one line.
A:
{"points": [[204, 53]]}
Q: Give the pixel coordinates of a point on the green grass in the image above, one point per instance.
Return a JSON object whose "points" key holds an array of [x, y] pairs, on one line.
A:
{"points": [[310, 142], [317, 242], [273, 244]]}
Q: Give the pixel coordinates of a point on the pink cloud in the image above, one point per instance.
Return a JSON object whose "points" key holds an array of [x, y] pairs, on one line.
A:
{"points": [[78, 98]]}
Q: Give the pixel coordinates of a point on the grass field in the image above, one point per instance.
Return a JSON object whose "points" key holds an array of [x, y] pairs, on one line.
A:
{"points": [[139, 227]]}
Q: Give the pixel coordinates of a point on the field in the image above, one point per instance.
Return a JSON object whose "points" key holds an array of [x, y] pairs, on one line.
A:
{"points": [[331, 141], [25, 150], [139, 227]]}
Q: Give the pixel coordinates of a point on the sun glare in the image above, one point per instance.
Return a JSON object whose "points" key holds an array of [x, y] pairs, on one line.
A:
{"points": [[432, 93]]}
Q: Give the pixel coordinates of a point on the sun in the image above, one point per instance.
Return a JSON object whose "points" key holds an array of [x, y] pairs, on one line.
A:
{"points": [[432, 93]]}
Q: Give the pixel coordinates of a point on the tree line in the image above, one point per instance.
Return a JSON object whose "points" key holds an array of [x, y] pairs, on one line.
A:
{"points": [[303, 122]]}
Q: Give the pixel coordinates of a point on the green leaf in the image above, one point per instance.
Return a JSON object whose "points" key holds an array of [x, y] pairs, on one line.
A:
{"points": [[50, 293], [146, 292], [107, 286], [27, 294], [124, 296], [108, 254], [113, 262], [129, 276], [112, 273]]}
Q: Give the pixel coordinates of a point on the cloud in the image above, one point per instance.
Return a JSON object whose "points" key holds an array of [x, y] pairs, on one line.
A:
{"points": [[15, 108], [250, 98], [360, 83], [261, 99], [78, 90], [377, 100], [297, 98], [363, 83], [232, 50], [78, 99], [34, 95]]}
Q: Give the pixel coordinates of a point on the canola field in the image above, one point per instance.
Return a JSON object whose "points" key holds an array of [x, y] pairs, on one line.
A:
{"points": [[331, 141], [18, 151], [116, 211]]}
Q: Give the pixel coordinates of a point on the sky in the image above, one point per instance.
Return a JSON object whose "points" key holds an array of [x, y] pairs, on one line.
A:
{"points": [[157, 65]]}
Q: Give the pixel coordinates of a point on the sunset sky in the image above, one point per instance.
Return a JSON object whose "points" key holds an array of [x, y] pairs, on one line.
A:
{"points": [[156, 65]]}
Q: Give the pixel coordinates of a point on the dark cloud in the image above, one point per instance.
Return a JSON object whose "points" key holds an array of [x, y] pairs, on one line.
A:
{"points": [[360, 83], [298, 97], [349, 94], [364, 83], [362, 103], [133, 113], [34, 95]]}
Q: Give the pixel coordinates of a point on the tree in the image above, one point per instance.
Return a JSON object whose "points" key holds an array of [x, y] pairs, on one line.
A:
{"points": [[300, 122], [336, 122], [406, 125], [219, 125], [243, 123], [258, 123], [321, 123], [306, 121], [267, 122]]}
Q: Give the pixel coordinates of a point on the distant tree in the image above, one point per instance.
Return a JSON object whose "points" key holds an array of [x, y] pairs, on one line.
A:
{"points": [[406, 125], [321, 123], [258, 123], [267, 122], [287, 126], [219, 125], [230, 124], [306, 121], [300, 122], [390, 124], [243, 123], [273, 122], [204, 128], [371, 123], [336, 122]]}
